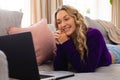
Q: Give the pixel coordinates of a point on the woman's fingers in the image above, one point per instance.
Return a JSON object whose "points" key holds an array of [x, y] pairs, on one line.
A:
{"points": [[57, 36]]}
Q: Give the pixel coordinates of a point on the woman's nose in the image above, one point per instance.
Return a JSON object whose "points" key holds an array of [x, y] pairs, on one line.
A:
{"points": [[63, 23]]}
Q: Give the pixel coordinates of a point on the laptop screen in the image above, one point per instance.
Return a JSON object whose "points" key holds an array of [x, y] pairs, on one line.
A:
{"points": [[20, 54]]}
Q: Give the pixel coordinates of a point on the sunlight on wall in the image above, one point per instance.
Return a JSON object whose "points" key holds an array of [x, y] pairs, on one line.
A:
{"points": [[95, 9], [13, 5], [18, 5]]}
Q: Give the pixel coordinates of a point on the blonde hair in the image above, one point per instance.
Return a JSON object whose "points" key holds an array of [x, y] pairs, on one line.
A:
{"points": [[79, 36]]}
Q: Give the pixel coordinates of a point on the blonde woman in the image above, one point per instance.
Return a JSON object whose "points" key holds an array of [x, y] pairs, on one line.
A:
{"points": [[82, 47]]}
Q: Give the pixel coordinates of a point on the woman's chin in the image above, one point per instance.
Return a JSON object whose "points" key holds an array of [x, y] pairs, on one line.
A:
{"points": [[68, 34]]}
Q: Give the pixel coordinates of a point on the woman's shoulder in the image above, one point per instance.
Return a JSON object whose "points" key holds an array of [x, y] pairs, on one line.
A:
{"points": [[94, 37], [93, 32]]}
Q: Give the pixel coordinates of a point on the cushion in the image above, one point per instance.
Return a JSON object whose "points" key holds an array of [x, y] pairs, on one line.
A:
{"points": [[3, 66], [95, 24], [9, 18], [42, 38]]}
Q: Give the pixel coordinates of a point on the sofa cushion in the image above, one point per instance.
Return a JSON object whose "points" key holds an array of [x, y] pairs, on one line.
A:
{"points": [[3, 66], [9, 18], [95, 24], [111, 72], [42, 38]]}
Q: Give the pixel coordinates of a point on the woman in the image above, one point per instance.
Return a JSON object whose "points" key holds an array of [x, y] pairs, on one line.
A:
{"points": [[82, 47]]}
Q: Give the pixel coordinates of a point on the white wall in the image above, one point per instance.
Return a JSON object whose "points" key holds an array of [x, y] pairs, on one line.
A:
{"points": [[99, 9], [18, 5]]}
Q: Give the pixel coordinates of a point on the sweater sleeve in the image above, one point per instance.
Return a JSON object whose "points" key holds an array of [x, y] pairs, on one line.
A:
{"points": [[60, 60], [73, 56]]}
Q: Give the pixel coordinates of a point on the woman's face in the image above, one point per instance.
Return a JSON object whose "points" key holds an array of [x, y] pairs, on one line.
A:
{"points": [[65, 22]]}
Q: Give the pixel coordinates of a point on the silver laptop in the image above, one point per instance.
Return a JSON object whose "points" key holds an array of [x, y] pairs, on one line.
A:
{"points": [[21, 58], [55, 75]]}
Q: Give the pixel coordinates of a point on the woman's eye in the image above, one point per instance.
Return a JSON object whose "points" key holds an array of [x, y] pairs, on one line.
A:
{"points": [[66, 19], [58, 22]]}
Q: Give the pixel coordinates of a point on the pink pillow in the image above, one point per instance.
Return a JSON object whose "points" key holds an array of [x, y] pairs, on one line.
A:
{"points": [[42, 38]]}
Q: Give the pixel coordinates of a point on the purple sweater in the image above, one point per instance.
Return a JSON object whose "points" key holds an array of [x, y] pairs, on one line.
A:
{"points": [[98, 54]]}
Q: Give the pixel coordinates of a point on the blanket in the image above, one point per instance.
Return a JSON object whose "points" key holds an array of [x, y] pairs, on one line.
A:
{"points": [[112, 30]]}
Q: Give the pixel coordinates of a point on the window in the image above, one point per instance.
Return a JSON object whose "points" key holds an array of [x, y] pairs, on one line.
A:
{"points": [[95, 9], [18, 5]]}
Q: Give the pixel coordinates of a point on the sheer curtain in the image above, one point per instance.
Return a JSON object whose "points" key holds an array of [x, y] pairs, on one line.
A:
{"points": [[116, 13], [43, 9]]}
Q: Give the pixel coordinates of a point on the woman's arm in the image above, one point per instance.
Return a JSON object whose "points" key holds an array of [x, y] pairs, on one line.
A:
{"points": [[72, 55], [60, 60]]}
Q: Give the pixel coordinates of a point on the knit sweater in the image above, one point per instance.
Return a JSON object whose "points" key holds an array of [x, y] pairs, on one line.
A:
{"points": [[98, 54]]}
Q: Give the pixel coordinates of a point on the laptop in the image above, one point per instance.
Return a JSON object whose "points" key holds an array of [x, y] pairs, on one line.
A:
{"points": [[55, 75], [21, 58]]}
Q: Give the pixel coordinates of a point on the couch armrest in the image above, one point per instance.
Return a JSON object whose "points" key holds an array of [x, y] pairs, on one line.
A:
{"points": [[3, 67], [9, 18]]}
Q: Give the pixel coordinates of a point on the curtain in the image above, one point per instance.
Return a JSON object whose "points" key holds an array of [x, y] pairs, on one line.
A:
{"points": [[116, 13], [43, 9]]}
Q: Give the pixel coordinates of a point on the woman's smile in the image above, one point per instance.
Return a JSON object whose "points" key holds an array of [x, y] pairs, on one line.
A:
{"points": [[66, 29]]}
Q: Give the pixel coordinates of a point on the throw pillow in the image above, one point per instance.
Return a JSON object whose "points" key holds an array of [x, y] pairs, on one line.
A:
{"points": [[42, 38], [95, 24]]}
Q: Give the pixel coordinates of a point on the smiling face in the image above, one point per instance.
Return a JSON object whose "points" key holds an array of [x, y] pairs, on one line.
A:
{"points": [[65, 22]]}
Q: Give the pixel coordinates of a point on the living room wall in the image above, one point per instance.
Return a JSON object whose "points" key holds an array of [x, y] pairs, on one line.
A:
{"points": [[24, 6]]}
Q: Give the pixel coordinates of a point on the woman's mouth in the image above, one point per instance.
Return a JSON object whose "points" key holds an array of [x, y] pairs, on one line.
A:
{"points": [[66, 29]]}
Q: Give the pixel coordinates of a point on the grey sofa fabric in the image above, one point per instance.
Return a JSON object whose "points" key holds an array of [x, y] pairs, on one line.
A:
{"points": [[111, 72], [9, 18], [95, 24], [52, 27], [104, 73], [3, 67]]}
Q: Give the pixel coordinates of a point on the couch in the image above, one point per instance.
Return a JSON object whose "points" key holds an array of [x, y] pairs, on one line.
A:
{"points": [[111, 72], [7, 18], [13, 18]]}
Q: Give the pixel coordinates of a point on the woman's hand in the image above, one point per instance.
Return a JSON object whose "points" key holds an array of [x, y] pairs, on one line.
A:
{"points": [[60, 37]]}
